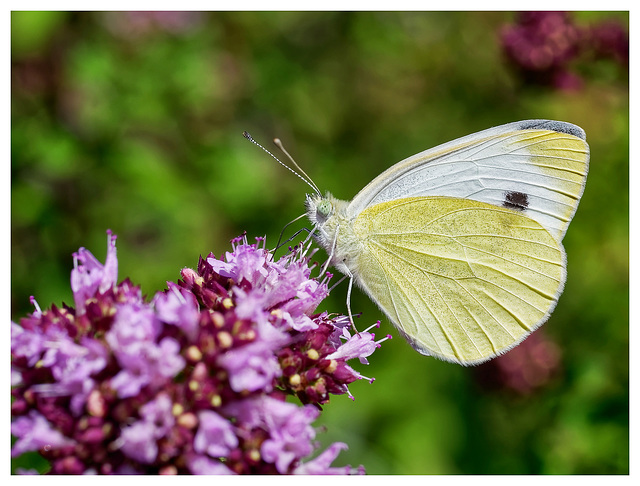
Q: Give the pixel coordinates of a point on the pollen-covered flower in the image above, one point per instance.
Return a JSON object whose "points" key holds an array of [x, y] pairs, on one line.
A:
{"points": [[192, 381]]}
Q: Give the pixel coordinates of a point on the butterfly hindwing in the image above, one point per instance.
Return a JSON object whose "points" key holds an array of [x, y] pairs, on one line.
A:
{"points": [[463, 280]]}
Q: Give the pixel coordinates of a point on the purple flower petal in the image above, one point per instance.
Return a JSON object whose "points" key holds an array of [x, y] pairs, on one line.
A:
{"points": [[360, 345], [168, 362], [322, 463], [204, 465], [89, 276], [35, 432], [128, 384], [251, 367], [159, 413], [179, 307], [133, 324], [290, 432], [215, 435], [251, 305], [147, 363], [301, 323], [138, 441], [247, 411], [27, 343], [71, 365], [70, 362]]}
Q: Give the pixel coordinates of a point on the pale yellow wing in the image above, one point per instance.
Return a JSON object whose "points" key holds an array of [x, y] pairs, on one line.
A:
{"points": [[462, 280]]}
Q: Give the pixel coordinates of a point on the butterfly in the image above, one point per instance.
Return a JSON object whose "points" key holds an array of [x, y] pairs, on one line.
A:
{"points": [[461, 245]]}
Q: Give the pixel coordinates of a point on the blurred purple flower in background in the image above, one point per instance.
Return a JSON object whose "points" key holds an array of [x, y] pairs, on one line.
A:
{"points": [[529, 367], [191, 382], [133, 25], [546, 48]]}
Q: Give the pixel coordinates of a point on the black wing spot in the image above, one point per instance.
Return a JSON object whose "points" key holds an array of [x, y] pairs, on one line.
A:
{"points": [[516, 200]]}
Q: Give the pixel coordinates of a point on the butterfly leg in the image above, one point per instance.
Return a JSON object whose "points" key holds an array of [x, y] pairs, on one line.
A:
{"points": [[332, 252], [278, 245], [353, 325]]}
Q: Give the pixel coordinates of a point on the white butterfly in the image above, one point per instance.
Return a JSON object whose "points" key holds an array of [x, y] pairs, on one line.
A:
{"points": [[460, 245]]}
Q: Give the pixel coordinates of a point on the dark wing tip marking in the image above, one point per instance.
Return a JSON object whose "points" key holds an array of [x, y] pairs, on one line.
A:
{"points": [[516, 200], [556, 126]]}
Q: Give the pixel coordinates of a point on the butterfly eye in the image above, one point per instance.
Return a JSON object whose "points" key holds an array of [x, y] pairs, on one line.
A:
{"points": [[324, 208]]}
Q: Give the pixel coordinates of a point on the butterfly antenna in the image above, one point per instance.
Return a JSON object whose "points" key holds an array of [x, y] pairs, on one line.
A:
{"points": [[306, 178], [311, 183]]}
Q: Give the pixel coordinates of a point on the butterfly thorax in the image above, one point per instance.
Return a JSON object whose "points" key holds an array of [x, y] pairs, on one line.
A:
{"points": [[333, 230]]}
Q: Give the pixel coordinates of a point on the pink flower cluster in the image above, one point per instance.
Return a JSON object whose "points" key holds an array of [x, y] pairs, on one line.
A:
{"points": [[193, 381]]}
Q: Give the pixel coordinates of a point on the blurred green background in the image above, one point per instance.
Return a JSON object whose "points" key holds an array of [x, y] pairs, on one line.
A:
{"points": [[132, 121]]}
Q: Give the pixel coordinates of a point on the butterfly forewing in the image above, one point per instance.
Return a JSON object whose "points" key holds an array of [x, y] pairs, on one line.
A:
{"points": [[538, 167], [463, 280]]}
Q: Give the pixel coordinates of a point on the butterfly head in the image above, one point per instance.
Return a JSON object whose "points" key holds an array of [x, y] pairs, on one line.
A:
{"points": [[331, 228], [319, 208]]}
